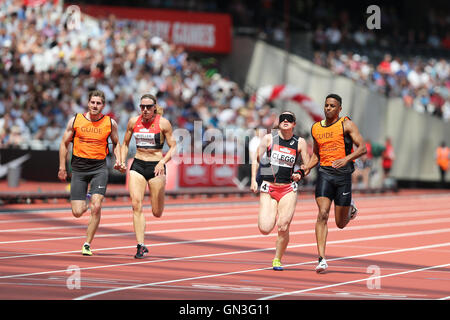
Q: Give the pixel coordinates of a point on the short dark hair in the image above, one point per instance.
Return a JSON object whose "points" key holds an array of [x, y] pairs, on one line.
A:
{"points": [[334, 96]]}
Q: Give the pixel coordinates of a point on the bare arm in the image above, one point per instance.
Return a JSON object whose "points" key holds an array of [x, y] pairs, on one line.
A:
{"points": [[265, 142], [63, 149], [119, 164], [127, 139], [303, 150], [351, 129], [166, 129], [313, 160]]}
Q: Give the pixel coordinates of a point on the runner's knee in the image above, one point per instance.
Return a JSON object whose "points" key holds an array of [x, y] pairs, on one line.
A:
{"points": [[136, 205], [157, 211], [265, 229], [95, 208], [77, 213], [340, 224], [322, 217], [283, 226]]}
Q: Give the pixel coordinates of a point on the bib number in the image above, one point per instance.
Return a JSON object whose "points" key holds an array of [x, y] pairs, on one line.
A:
{"points": [[264, 187], [294, 186]]}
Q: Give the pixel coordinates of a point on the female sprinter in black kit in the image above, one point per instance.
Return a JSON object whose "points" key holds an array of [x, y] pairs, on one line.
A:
{"points": [[277, 155], [150, 130]]}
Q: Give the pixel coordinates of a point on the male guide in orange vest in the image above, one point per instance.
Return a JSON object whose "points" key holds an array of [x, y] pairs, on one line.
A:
{"points": [[333, 141], [91, 137], [89, 134]]}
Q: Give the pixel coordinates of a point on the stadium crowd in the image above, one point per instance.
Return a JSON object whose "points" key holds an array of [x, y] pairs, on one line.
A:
{"points": [[422, 84], [47, 70], [405, 58]]}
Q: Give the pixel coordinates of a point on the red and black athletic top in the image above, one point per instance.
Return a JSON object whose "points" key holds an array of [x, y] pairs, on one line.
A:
{"points": [[148, 135], [279, 164]]}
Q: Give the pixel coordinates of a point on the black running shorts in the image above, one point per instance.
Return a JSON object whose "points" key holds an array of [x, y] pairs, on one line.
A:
{"points": [[145, 168], [337, 187], [80, 181]]}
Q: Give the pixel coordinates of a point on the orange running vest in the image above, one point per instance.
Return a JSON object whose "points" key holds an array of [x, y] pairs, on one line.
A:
{"points": [[90, 140], [331, 141]]}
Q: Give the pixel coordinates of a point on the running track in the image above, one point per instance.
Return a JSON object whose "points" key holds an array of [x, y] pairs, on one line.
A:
{"points": [[210, 249]]}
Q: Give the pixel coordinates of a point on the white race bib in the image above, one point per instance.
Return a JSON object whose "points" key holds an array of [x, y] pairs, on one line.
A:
{"points": [[264, 187], [294, 186], [283, 156]]}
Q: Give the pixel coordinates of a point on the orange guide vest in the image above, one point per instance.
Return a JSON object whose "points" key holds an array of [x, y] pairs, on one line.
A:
{"points": [[90, 140]]}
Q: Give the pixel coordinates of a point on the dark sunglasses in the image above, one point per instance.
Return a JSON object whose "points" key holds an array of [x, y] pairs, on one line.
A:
{"points": [[147, 106], [286, 116]]}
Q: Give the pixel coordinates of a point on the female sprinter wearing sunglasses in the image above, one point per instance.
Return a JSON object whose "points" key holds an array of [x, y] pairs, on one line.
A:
{"points": [[150, 130], [277, 155]]}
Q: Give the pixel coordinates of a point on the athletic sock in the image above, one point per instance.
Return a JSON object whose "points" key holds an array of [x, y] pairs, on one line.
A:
{"points": [[320, 259], [86, 244]]}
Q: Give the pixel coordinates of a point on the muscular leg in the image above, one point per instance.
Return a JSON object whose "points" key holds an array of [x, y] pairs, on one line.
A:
{"points": [[79, 207], [157, 195], [286, 209], [324, 205], [267, 213], [94, 221], [137, 185], [342, 216]]}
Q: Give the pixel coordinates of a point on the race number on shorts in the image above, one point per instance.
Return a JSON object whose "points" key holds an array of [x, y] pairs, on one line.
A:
{"points": [[264, 187], [294, 186]]}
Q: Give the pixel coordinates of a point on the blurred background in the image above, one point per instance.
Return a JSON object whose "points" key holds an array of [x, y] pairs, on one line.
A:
{"points": [[230, 66]]}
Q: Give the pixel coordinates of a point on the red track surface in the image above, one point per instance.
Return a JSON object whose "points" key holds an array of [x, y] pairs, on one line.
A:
{"points": [[397, 248]]}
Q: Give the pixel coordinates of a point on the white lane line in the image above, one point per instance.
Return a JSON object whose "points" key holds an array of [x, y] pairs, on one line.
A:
{"points": [[445, 298], [353, 281], [300, 212], [240, 226], [246, 237], [168, 206], [397, 235], [181, 209], [130, 223], [88, 296]]}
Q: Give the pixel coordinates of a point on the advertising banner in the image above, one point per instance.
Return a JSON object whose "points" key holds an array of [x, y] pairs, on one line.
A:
{"points": [[198, 31], [192, 174]]}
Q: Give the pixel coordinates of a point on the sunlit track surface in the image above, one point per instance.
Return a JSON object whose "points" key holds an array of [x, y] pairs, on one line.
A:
{"points": [[210, 248]]}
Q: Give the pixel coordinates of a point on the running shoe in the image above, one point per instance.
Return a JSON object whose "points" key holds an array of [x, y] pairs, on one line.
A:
{"points": [[86, 251], [141, 251], [276, 265], [322, 266]]}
